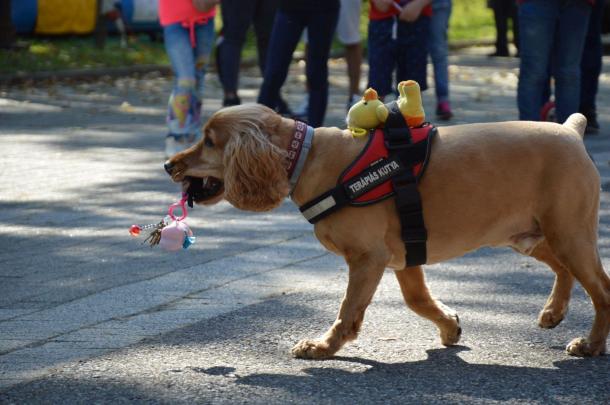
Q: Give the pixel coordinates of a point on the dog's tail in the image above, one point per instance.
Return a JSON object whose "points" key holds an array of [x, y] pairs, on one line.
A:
{"points": [[577, 122]]}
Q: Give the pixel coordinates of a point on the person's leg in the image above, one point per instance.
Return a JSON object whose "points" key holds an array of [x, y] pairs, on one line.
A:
{"points": [[537, 22], [501, 20], [567, 54], [412, 57], [348, 33], [287, 29], [381, 54], [320, 31], [236, 19], [264, 14], [180, 52], [591, 65], [439, 49], [514, 16], [204, 34]]}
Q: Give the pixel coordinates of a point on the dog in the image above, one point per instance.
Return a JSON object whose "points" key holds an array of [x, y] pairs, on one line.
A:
{"points": [[528, 185]]}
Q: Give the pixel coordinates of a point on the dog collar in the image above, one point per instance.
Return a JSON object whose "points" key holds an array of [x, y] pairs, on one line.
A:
{"points": [[298, 149]]}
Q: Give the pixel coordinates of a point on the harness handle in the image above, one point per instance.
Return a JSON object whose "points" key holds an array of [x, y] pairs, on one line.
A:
{"points": [[179, 204]]}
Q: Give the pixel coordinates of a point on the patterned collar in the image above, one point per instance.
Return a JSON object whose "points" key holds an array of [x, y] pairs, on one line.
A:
{"points": [[297, 152]]}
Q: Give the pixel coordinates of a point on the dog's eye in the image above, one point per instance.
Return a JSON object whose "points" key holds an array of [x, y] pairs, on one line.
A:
{"points": [[208, 142]]}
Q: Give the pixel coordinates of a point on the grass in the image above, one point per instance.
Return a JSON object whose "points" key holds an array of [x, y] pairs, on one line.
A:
{"points": [[470, 20], [80, 53]]}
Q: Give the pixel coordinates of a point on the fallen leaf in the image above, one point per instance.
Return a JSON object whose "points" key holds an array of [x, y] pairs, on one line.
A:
{"points": [[126, 107]]}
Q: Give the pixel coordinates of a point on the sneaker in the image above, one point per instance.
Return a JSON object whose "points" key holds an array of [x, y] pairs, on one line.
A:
{"points": [[231, 101], [443, 111], [174, 144], [499, 54], [547, 112], [303, 109]]}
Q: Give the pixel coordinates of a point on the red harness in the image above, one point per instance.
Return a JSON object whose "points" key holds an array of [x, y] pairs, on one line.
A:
{"points": [[375, 150]]}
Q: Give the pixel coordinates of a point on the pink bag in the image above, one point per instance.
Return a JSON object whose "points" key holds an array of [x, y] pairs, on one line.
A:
{"points": [[175, 236]]}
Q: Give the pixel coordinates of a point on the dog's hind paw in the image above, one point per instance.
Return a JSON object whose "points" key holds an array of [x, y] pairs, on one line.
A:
{"points": [[581, 347], [451, 336], [548, 319], [311, 349]]}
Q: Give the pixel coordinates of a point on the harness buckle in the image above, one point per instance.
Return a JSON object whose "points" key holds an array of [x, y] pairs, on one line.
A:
{"points": [[398, 145]]}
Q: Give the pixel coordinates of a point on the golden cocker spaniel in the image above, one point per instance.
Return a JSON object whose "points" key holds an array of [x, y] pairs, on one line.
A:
{"points": [[527, 185]]}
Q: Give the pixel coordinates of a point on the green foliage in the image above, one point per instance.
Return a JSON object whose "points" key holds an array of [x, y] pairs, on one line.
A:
{"points": [[471, 20], [81, 53]]}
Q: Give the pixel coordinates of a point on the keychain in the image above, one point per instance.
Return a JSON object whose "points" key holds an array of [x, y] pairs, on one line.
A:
{"points": [[171, 233]]}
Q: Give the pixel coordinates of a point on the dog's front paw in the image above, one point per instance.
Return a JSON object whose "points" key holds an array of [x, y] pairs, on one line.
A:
{"points": [[548, 319], [311, 349], [450, 336], [581, 347]]}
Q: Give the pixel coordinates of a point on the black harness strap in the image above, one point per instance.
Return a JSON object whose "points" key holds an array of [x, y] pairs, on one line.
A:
{"points": [[408, 200]]}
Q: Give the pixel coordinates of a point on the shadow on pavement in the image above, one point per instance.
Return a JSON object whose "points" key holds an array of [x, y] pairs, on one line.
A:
{"points": [[443, 376]]}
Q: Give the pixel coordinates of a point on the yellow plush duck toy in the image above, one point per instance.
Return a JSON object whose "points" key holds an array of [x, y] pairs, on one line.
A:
{"points": [[366, 114], [410, 104], [370, 112]]}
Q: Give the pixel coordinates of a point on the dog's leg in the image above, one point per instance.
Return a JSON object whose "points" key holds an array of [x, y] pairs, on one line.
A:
{"points": [[584, 263], [364, 275], [580, 255], [556, 305], [415, 292]]}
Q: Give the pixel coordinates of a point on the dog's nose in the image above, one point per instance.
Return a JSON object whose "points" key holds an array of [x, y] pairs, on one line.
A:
{"points": [[168, 167]]}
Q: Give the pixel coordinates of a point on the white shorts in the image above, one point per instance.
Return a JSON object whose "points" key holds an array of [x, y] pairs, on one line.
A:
{"points": [[348, 27]]}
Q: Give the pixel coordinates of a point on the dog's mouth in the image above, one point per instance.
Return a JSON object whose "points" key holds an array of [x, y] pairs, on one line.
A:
{"points": [[202, 189]]}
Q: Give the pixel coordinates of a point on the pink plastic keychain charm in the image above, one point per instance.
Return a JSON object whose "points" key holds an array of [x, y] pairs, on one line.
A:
{"points": [[171, 233]]}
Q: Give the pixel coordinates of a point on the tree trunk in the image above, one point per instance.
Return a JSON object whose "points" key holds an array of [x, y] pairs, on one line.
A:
{"points": [[101, 33], [7, 30]]}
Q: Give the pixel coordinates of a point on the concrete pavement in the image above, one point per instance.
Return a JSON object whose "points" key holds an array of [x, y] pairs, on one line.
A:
{"points": [[88, 313]]}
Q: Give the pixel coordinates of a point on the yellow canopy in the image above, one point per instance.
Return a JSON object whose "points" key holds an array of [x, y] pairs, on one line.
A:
{"points": [[66, 16]]}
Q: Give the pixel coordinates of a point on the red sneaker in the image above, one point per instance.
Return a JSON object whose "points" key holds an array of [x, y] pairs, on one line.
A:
{"points": [[547, 113], [443, 111]]}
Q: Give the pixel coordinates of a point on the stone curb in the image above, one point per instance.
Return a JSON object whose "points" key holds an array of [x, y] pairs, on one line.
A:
{"points": [[81, 74]]}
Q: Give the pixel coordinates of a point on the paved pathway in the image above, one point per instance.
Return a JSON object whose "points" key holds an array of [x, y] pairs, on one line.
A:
{"points": [[87, 313]]}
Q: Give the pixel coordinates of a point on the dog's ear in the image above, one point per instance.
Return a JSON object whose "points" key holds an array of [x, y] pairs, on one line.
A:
{"points": [[255, 176]]}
